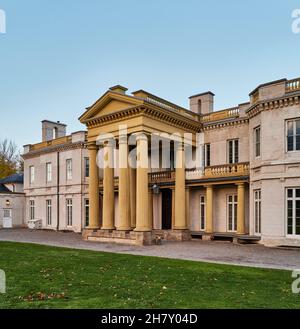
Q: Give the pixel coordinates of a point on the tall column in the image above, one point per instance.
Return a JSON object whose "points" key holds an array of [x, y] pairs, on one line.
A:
{"points": [[209, 209], [150, 212], [241, 208], [108, 188], [124, 187], [93, 188], [142, 202], [187, 207], [180, 202], [132, 183]]}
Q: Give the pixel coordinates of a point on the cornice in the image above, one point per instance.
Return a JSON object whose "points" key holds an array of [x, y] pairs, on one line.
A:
{"points": [[150, 111], [224, 124], [58, 148], [285, 101]]}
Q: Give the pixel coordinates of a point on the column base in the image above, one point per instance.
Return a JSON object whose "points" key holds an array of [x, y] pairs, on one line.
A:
{"points": [[108, 228], [126, 229], [142, 229]]}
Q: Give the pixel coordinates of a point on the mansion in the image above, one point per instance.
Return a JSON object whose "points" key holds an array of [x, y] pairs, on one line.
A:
{"points": [[246, 186]]}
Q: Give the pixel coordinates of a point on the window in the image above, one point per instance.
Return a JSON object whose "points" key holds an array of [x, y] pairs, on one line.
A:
{"points": [[293, 211], [233, 151], [69, 169], [86, 167], [7, 213], [69, 212], [49, 172], [257, 142], [32, 209], [55, 133], [206, 155], [257, 211], [202, 213], [86, 212], [232, 212], [49, 212], [31, 174], [293, 135]]}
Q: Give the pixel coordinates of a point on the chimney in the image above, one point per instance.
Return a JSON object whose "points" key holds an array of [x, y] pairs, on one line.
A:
{"points": [[118, 89], [202, 103], [52, 130]]}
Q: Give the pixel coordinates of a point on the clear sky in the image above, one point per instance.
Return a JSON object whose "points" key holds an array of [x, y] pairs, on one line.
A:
{"points": [[59, 56]]}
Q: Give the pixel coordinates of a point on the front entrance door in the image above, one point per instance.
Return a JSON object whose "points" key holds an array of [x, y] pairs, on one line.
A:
{"points": [[166, 209], [7, 218]]}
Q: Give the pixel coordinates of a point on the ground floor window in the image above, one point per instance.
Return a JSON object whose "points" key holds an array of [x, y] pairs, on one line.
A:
{"points": [[86, 212], [49, 212], [257, 211], [32, 209], [232, 213], [202, 213], [293, 211], [69, 212]]}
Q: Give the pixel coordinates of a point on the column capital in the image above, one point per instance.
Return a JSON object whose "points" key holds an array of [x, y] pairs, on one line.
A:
{"points": [[208, 186], [92, 146], [140, 136], [241, 184]]}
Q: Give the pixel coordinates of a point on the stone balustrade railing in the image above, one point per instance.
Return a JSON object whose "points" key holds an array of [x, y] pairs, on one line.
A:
{"points": [[54, 142], [237, 169], [292, 85], [163, 176], [221, 115]]}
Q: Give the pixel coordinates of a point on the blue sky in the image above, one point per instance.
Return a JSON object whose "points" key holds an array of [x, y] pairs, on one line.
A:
{"points": [[58, 57]]}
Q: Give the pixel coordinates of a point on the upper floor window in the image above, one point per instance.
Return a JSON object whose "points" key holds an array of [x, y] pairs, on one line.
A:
{"points": [[49, 171], [31, 174], [206, 155], [257, 141], [293, 135], [233, 151], [69, 169], [86, 167]]}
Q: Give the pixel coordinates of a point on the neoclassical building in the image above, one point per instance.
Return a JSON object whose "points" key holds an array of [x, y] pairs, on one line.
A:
{"points": [[244, 186]]}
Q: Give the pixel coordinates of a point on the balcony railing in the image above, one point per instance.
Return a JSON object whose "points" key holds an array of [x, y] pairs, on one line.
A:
{"points": [[161, 177], [221, 115], [292, 85], [228, 170]]}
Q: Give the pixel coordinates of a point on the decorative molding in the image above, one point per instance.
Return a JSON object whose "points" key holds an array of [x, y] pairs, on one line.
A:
{"points": [[285, 101]]}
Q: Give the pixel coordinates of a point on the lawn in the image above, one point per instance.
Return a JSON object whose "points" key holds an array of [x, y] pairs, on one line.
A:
{"points": [[49, 277]]}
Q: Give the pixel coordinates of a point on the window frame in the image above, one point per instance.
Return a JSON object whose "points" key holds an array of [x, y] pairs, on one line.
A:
{"points": [[69, 169], [257, 210], [202, 213], [295, 135], [86, 167], [49, 212], [234, 205], [86, 212], [257, 142], [32, 209], [31, 175], [235, 153], [48, 172], [69, 212], [206, 155], [293, 199]]}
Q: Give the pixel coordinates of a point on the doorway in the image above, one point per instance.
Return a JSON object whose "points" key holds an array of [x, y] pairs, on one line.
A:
{"points": [[166, 209]]}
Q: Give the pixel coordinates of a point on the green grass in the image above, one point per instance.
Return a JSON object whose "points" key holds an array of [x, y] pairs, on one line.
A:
{"points": [[49, 277]]}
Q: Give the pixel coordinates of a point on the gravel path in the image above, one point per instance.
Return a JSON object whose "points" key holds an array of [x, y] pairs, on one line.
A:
{"points": [[215, 252]]}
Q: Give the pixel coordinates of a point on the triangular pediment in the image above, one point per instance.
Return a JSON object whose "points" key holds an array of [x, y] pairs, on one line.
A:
{"points": [[110, 102]]}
